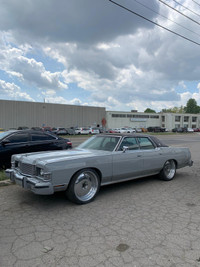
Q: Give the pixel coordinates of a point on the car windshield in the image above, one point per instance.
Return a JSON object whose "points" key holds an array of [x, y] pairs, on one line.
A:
{"points": [[107, 143], [4, 134]]}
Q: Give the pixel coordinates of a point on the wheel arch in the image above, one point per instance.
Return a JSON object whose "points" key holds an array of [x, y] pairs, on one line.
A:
{"points": [[91, 168], [168, 171], [175, 161]]}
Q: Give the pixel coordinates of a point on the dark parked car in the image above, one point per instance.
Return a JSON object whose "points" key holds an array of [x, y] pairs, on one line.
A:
{"points": [[22, 128], [24, 141], [36, 128], [179, 130], [156, 129]]}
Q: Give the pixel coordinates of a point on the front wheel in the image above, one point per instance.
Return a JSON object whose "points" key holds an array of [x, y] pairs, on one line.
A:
{"points": [[83, 187], [169, 170]]}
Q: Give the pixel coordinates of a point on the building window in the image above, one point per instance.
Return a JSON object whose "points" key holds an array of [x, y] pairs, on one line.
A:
{"points": [[163, 118], [154, 116], [186, 119], [194, 119], [177, 118], [119, 115], [141, 116]]}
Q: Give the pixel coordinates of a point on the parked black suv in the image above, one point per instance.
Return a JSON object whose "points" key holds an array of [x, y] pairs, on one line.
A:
{"points": [[156, 129], [24, 141]]}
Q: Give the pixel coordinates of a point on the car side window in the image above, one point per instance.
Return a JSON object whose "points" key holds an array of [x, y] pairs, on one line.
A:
{"points": [[41, 137], [18, 138], [145, 143], [129, 142], [109, 143]]}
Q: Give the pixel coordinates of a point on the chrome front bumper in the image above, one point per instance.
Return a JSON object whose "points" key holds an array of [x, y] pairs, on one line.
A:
{"points": [[32, 184]]}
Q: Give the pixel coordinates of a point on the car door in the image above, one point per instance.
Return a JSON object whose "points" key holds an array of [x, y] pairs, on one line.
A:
{"points": [[15, 143], [153, 158], [41, 141], [127, 163]]}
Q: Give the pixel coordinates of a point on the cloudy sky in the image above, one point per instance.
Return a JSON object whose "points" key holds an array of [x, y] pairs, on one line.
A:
{"points": [[95, 53]]}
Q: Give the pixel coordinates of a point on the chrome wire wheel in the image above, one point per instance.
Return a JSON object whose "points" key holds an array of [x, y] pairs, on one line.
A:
{"points": [[169, 170], [84, 186]]}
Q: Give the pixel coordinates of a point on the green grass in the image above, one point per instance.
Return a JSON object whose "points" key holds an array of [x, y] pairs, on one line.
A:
{"points": [[3, 176]]}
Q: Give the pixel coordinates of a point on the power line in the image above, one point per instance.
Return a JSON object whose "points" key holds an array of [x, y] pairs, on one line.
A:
{"points": [[186, 8], [179, 12], [166, 17], [196, 3], [131, 11]]}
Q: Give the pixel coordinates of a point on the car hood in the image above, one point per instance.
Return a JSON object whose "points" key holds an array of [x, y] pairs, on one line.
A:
{"points": [[48, 157]]}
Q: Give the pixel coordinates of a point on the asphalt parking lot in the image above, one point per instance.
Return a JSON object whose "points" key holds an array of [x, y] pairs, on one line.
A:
{"points": [[144, 222]]}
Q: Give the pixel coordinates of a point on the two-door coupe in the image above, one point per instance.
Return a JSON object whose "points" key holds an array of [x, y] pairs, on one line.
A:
{"points": [[102, 159]]}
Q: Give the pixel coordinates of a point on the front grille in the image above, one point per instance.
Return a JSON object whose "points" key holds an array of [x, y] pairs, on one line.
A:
{"points": [[27, 169]]}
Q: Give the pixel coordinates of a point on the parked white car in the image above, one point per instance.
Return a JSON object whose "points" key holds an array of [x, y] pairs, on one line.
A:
{"points": [[94, 130], [126, 130], [82, 130], [123, 130], [131, 130]]}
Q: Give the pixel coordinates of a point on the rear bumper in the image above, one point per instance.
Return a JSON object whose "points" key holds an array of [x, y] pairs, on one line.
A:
{"points": [[29, 183]]}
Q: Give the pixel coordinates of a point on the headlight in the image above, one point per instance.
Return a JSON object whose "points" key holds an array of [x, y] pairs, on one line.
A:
{"points": [[41, 173], [15, 164]]}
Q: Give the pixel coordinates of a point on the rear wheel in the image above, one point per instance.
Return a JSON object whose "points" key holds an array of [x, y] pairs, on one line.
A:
{"points": [[169, 170], [83, 187]]}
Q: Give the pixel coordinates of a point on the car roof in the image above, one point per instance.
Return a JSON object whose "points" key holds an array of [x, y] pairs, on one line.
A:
{"points": [[26, 131], [125, 134], [156, 141]]}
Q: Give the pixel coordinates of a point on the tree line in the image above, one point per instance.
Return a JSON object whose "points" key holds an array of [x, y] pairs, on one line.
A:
{"points": [[191, 107]]}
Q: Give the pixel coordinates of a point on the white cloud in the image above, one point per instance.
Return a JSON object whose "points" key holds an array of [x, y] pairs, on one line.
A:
{"points": [[15, 63], [13, 91], [120, 60]]}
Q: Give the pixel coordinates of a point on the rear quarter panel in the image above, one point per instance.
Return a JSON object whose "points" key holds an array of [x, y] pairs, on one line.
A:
{"points": [[181, 155]]}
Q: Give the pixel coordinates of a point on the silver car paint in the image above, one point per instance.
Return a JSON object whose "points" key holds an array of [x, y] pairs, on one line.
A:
{"points": [[113, 166]]}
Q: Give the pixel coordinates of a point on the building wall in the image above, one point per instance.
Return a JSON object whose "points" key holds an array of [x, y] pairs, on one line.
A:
{"points": [[31, 114], [117, 119], [20, 113]]}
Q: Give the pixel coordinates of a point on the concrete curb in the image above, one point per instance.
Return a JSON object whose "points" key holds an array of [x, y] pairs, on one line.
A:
{"points": [[5, 182]]}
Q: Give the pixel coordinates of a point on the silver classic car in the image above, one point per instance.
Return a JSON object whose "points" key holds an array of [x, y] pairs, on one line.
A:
{"points": [[102, 159]]}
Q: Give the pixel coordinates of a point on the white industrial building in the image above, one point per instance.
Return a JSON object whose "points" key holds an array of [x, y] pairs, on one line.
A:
{"points": [[117, 119], [14, 114], [34, 114]]}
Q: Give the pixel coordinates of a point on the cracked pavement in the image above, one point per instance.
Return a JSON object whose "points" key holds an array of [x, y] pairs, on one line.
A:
{"points": [[144, 222]]}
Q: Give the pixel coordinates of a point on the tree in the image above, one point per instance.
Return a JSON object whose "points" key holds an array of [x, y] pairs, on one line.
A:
{"points": [[148, 110], [174, 110], [192, 107]]}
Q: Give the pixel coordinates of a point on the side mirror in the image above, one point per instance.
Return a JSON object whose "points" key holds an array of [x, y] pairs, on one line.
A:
{"points": [[125, 148]]}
